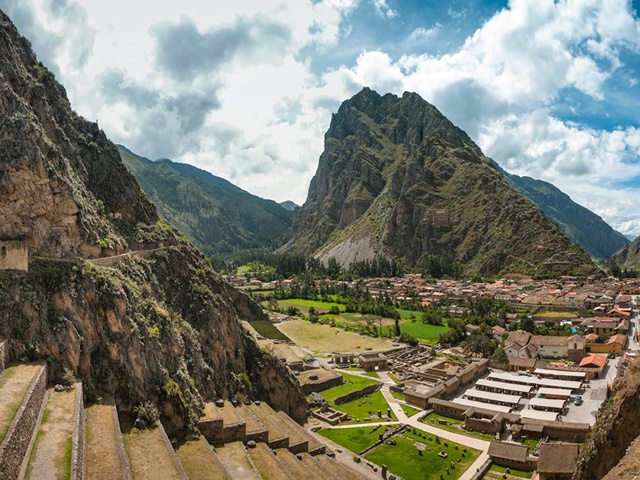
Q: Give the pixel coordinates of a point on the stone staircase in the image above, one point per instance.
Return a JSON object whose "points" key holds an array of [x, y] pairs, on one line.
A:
{"points": [[48, 434]]}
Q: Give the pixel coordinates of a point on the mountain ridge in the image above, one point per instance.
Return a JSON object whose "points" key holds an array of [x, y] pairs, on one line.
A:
{"points": [[397, 178], [580, 224], [215, 214]]}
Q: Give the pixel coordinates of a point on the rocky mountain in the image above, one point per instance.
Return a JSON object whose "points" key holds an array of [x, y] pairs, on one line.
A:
{"points": [[611, 450], [628, 257], [397, 178], [112, 295], [211, 211], [578, 223], [289, 205]]}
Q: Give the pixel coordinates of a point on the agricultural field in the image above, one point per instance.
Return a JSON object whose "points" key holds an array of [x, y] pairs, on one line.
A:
{"points": [[304, 305], [325, 339], [268, 330]]}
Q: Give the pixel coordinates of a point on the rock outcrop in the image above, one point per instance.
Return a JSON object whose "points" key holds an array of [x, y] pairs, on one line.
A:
{"points": [[153, 323], [398, 179], [616, 428]]}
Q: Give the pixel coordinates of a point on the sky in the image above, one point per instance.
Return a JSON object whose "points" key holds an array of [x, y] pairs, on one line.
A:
{"points": [[246, 89]]}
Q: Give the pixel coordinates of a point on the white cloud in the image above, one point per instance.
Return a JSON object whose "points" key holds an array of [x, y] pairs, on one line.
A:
{"points": [[422, 34], [262, 117]]}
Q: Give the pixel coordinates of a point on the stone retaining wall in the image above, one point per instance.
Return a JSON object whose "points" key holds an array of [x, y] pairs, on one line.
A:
{"points": [[480, 473], [349, 397], [2, 356], [122, 452], [16, 442], [172, 453], [78, 439]]}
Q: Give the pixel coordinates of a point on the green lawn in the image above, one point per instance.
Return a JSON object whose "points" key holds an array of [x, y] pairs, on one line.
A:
{"points": [[304, 305], [394, 377], [399, 396], [423, 331], [353, 439], [351, 384], [513, 471], [403, 459], [268, 330], [452, 426], [365, 407], [410, 411]]}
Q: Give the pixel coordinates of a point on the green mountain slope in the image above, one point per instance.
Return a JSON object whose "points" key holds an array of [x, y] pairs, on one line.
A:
{"points": [[628, 257], [397, 178], [215, 214], [578, 223]]}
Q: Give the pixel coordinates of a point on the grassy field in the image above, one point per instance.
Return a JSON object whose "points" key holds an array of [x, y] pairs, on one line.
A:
{"points": [[453, 425], [353, 439], [403, 459], [423, 331], [323, 338], [512, 471], [394, 377], [409, 410], [365, 407], [305, 305], [268, 330], [351, 384]]}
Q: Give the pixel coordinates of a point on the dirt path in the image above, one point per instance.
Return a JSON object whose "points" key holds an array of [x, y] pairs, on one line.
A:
{"points": [[14, 383], [51, 455], [103, 455]]}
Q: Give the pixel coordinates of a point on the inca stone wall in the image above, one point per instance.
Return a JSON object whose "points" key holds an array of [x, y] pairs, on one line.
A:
{"points": [[16, 442]]}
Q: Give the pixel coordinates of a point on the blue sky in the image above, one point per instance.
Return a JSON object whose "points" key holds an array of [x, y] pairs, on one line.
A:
{"points": [[246, 89]]}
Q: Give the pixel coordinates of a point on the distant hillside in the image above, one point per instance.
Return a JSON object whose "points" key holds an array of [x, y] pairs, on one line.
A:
{"points": [[212, 212], [578, 223], [398, 179], [628, 257], [289, 205]]}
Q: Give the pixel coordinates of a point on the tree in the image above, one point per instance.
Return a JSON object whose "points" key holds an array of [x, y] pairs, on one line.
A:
{"points": [[501, 356], [396, 326], [527, 324], [408, 338]]}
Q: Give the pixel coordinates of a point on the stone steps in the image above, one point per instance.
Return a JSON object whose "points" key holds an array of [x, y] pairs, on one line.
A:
{"points": [[151, 456], [314, 446], [276, 437], [319, 470], [339, 469], [105, 455], [22, 393], [60, 434], [295, 466], [267, 464], [236, 462], [298, 441], [255, 430], [200, 462]]}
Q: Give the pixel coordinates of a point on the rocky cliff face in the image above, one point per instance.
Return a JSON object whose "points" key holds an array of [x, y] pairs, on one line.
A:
{"points": [[157, 324], [581, 225], [397, 178], [617, 426]]}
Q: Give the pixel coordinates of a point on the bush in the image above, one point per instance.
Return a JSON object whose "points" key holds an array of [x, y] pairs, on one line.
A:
{"points": [[147, 413], [408, 338], [244, 378]]}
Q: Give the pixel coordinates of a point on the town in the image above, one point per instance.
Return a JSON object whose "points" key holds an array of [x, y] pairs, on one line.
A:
{"points": [[475, 379]]}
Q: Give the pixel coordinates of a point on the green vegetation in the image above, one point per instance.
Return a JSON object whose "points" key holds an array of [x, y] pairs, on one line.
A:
{"points": [[351, 384], [452, 425], [269, 330], [511, 471], [365, 407], [353, 439], [394, 377], [409, 410], [304, 305], [403, 459]]}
